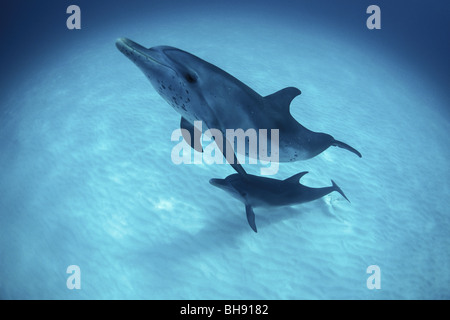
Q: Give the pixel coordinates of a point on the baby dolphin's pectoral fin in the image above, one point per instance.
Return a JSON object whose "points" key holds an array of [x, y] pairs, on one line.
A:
{"points": [[250, 217], [343, 145], [194, 137]]}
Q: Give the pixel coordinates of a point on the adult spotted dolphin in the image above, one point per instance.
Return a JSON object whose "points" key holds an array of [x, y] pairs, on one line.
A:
{"points": [[255, 191], [200, 91]]}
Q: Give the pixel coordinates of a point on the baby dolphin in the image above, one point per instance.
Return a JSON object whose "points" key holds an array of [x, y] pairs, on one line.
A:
{"points": [[256, 191], [200, 91]]}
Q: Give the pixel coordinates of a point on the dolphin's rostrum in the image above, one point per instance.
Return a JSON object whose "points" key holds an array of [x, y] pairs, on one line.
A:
{"points": [[255, 191]]}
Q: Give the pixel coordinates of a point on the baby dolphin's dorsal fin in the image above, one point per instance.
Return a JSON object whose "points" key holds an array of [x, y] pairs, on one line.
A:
{"points": [[296, 177], [282, 99]]}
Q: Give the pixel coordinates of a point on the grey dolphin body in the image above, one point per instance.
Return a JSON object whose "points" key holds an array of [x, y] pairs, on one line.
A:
{"points": [[200, 91], [255, 191]]}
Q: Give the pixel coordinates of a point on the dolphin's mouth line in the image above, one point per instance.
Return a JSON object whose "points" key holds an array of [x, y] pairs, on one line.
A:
{"points": [[125, 45]]}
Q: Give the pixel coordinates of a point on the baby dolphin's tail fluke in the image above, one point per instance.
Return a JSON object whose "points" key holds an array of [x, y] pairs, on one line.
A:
{"points": [[336, 188], [343, 145]]}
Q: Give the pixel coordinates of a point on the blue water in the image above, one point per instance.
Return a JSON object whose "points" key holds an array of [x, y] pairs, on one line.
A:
{"points": [[87, 178]]}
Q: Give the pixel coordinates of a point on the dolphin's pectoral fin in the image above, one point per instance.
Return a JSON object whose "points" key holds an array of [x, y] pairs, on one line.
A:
{"points": [[345, 146], [194, 137], [250, 217], [235, 163], [282, 99], [296, 177]]}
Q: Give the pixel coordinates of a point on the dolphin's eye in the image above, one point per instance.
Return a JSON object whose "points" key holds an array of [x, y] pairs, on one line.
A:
{"points": [[190, 78]]}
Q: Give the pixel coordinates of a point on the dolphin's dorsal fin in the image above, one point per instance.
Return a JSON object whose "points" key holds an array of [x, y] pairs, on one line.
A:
{"points": [[282, 99], [194, 133], [296, 177]]}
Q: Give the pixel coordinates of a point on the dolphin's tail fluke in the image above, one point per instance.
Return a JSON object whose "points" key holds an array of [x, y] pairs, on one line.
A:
{"points": [[336, 188], [343, 145]]}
